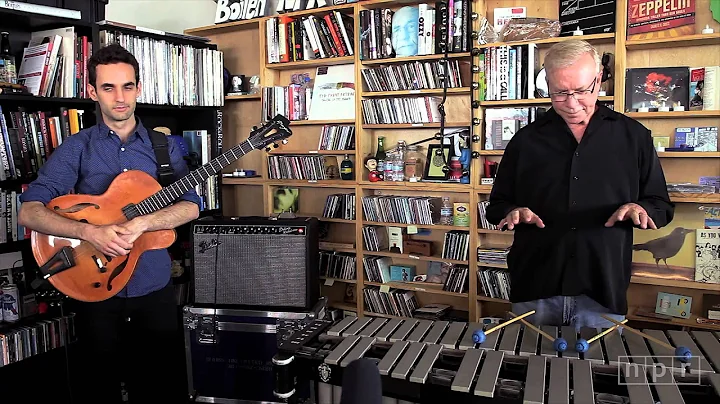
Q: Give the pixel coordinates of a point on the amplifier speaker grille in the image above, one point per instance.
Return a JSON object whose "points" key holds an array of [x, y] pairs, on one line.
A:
{"points": [[258, 262]]}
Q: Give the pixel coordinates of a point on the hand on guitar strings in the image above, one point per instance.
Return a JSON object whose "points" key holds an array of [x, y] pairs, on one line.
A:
{"points": [[109, 239]]}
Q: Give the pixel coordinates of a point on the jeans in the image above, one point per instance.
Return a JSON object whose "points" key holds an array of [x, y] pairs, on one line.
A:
{"points": [[578, 311], [134, 341]]}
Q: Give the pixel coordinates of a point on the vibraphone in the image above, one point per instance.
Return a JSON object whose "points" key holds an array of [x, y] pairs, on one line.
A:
{"points": [[424, 361]]}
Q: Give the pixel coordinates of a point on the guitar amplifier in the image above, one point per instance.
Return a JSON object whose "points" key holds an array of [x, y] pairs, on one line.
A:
{"points": [[256, 262]]}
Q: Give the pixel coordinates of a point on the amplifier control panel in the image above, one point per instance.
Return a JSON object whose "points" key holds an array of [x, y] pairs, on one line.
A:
{"points": [[250, 229]]}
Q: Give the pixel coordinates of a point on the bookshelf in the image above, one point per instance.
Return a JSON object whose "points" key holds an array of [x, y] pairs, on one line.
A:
{"points": [[254, 196]]}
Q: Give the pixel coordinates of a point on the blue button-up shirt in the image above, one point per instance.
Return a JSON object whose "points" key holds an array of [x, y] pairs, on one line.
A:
{"points": [[87, 162]]}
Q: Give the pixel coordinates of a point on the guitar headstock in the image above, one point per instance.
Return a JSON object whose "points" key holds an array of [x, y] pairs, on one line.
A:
{"points": [[272, 131]]}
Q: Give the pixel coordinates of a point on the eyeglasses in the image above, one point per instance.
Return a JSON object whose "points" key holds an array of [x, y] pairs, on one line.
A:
{"points": [[578, 95]]}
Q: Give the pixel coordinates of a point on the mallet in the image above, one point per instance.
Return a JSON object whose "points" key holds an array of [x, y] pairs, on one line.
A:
{"points": [[480, 335], [682, 352], [583, 345], [560, 344]]}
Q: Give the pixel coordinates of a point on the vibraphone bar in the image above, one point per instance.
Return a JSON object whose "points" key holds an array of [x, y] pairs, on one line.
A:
{"points": [[424, 361]]}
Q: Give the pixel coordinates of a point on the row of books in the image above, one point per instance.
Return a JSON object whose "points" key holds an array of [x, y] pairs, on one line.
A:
{"points": [[173, 74], [337, 137], [297, 167], [501, 124], [492, 255], [54, 64], [338, 265], [377, 269], [10, 203], [400, 303], [375, 238], [482, 216], [494, 283], [457, 279], [401, 110], [456, 245], [292, 39], [29, 138], [412, 76], [340, 206], [415, 30], [23, 340], [292, 102], [198, 144], [508, 72], [402, 209]]}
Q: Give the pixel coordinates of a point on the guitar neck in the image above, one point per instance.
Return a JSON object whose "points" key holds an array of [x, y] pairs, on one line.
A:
{"points": [[167, 195]]}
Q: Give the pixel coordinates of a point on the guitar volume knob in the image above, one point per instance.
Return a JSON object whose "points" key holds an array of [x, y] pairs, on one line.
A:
{"points": [[97, 285]]}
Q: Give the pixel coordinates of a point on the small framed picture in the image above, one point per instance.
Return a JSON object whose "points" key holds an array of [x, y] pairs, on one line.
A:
{"points": [[238, 83], [435, 163]]}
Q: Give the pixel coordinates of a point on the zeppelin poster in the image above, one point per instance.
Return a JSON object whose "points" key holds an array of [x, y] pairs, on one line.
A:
{"points": [[649, 19]]}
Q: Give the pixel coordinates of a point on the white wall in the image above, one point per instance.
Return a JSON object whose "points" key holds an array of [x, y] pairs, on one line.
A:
{"points": [[166, 15]]}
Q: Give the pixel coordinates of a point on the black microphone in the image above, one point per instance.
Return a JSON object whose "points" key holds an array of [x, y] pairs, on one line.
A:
{"points": [[361, 383]]}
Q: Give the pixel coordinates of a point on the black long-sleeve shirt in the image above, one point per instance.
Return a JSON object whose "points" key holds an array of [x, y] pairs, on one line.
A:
{"points": [[575, 188]]}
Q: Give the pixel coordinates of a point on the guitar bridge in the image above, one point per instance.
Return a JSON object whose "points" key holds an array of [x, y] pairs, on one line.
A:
{"points": [[61, 261]]}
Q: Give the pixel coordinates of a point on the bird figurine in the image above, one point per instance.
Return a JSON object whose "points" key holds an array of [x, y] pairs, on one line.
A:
{"points": [[665, 247]]}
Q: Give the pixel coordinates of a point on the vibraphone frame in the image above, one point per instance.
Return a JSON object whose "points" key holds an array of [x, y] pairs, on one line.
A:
{"points": [[414, 348]]}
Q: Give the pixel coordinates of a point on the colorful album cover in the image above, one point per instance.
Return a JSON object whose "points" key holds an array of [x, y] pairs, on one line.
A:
{"points": [[656, 87]]}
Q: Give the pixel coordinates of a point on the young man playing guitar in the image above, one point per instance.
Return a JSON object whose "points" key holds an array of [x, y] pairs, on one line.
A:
{"points": [[132, 336]]}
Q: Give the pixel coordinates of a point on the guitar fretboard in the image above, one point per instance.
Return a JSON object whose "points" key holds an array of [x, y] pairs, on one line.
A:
{"points": [[180, 187]]}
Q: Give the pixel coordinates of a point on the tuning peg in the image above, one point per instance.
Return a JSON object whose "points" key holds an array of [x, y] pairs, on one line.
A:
{"points": [[476, 104], [284, 141], [474, 16], [475, 68], [254, 128], [276, 145], [475, 85], [475, 51], [267, 149], [476, 121], [475, 138], [474, 35], [475, 154]]}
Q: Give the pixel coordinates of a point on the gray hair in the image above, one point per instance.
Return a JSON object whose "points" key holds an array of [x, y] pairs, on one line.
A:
{"points": [[565, 53]]}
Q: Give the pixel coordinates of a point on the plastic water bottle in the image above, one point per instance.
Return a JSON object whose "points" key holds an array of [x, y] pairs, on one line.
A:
{"points": [[446, 212]]}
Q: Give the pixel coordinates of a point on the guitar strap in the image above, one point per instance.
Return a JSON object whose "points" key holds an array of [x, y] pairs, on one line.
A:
{"points": [[166, 175]]}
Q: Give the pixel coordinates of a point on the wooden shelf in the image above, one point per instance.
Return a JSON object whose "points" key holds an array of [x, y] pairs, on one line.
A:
{"points": [[325, 278], [421, 58], [342, 306], [415, 288], [419, 226], [483, 189], [492, 299], [342, 60], [682, 197], [413, 125], [491, 265], [427, 186], [674, 42], [532, 101], [673, 114], [243, 181], [398, 93], [216, 29], [682, 322], [692, 154], [323, 122], [413, 257], [313, 183], [673, 283], [371, 314], [492, 152], [325, 152], [242, 97], [594, 38], [488, 231]]}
